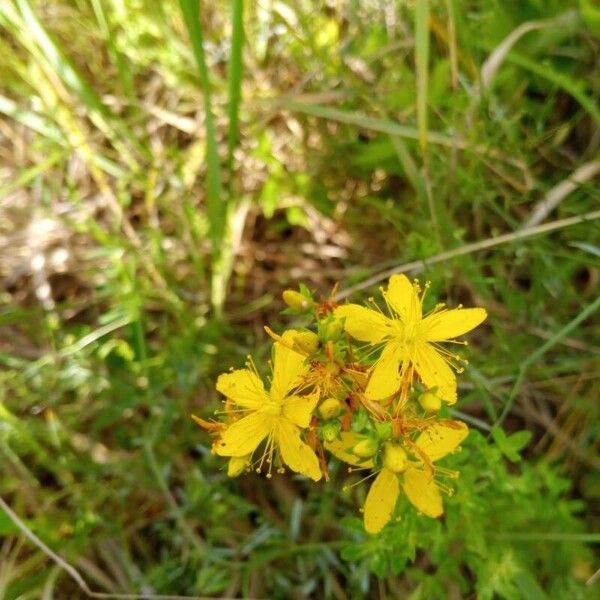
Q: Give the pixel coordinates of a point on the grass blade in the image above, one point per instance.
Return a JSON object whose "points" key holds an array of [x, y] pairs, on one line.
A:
{"points": [[215, 207], [125, 77], [235, 78], [573, 87], [514, 236], [422, 67], [355, 118], [29, 119], [389, 127], [408, 165]]}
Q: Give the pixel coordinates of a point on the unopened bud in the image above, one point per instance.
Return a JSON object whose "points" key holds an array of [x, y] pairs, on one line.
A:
{"points": [[384, 430], [332, 329], [330, 408], [296, 300], [430, 402], [237, 465], [365, 448], [331, 430], [394, 458], [306, 341]]}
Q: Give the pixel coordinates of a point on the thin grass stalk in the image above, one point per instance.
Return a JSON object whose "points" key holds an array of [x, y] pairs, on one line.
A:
{"points": [[236, 67], [422, 67], [214, 204], [123, 71]]}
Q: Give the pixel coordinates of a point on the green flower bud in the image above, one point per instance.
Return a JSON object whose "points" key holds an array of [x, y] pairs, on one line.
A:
{"points": [[330, 408], [384, 430], [365, 448], [330, 431], [306, 341], [296, 300], [332, 329], [430, 402], [394, 458]]}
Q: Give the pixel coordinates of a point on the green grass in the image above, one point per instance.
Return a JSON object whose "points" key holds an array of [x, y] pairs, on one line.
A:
{"points": [[167, 169]]}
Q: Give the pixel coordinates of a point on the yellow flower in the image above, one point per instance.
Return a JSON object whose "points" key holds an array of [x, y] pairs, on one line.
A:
{"points": [[411, 341], [415, 476], [277, 415]]}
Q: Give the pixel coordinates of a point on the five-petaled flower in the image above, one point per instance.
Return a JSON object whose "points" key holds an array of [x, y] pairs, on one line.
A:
{"points": [[408, 465], [276, 416], [410, 341]]}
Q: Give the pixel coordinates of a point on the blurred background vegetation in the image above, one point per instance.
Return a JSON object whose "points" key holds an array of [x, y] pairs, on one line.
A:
{"points": [[167, 169]]}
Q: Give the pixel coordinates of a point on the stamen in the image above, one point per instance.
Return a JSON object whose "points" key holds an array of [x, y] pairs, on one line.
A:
{"points": [[450, 473], [427, 285], [373, 348], [391, 312], [354, 469], [445, 489], [251, 365], [449, 357], [376, 306], [349, 487]]}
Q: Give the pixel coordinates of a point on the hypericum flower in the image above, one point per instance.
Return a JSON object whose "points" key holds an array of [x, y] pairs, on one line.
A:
{"points": [[406, 464], [277, 415], [410, 342]]}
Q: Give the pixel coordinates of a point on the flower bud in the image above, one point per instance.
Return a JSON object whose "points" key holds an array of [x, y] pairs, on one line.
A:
{"points": [[332, 329], [330, 408], [430, 402], [384, 430], [306, 341], [394, 458], [331, 430], [365, 448], [296, 300], [237, 465]]}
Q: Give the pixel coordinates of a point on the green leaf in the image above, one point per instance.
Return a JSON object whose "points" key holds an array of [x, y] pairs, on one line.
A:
{"points": [[191, 14], [520, 439], [7, 527], [511, 445]]}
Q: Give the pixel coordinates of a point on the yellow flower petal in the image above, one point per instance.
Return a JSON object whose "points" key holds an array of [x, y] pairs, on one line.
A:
{"points": [[423, 493], [297, 455], [243, 436], [342, 449], [364, 324], [381, 501], [448, 324], [403, 297], [288, 366], [243, 387], [238, 464], [385, 377], [442, 438], [434, 371], [299, 409]]}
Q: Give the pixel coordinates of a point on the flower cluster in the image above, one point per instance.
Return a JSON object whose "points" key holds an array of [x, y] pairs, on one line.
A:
{"points": [[365, 385]]}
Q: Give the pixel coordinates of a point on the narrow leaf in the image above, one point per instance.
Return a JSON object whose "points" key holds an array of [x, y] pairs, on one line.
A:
{"points": [[422, 67]]}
